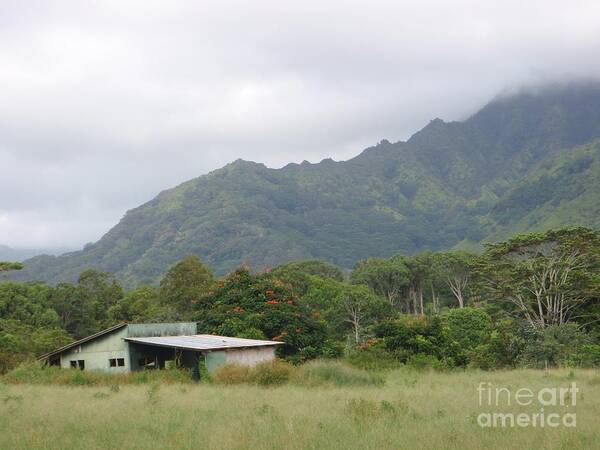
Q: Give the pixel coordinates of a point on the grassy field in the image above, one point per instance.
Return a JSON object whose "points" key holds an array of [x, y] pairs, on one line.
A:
{"points": [[412, 410]]}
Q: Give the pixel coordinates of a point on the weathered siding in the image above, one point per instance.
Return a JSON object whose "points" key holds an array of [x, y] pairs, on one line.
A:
{"points": [[214, 360], [96, 353], [244, 357], [250, 356]]}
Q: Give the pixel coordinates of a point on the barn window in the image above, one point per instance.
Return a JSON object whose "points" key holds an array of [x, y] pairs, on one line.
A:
{"points": [[80, 363], [117, 362]]}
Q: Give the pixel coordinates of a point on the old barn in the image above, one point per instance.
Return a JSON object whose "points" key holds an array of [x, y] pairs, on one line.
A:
{"points": [[130, 347]]}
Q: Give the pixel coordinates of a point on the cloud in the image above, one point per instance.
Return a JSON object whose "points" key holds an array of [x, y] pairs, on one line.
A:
{"points": [[104, 104]]}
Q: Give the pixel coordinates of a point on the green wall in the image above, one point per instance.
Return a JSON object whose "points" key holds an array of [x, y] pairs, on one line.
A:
{"points": [[214, 360], [97, 352]]}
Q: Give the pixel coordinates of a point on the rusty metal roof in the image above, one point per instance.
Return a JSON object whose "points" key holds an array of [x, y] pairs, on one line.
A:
{"points": [[201, 342]]}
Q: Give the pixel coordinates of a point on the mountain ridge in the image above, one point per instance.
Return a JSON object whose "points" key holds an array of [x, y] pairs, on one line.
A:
{"points": [[448, 183]]}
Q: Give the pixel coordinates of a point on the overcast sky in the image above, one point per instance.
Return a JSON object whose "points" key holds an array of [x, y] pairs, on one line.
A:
{"points": [[104, 104]]}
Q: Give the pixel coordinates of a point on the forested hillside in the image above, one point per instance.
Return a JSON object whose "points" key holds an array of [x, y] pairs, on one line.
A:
{"points": [[525, 162]]}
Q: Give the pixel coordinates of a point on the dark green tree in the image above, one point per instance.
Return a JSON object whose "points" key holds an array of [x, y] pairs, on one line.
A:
{"points": [[262, 306], [83, 308], [348, 310], [141, 305], [6, 266], [185, 284], [387, 278], [311, 267]]}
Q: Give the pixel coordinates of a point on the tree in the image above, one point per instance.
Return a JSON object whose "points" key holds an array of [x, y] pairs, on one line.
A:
{"points": [[65, 300], [299, 273], [97, 291], [140, 305], [455, 270], [184, 284], [549, 278], [420, 273], [385, 277], [263, 307], [358, 307], [20, 341], [311, 267], [6, 266], [27, 303], [555, 345], [28, 324], [345, 306], [83, 308], [465, 329]]}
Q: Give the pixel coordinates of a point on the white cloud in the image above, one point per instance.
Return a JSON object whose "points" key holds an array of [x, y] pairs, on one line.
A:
{"points": [[103, 104]]}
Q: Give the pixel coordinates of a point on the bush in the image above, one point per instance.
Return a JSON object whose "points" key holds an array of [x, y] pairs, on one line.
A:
{"points": [[464, 330], [408, 335], [319, 373], [588, 356], [231, 374], [555, 346], [332, 349], [421, 361], [482, 357], [269, 373], [373, 358]]}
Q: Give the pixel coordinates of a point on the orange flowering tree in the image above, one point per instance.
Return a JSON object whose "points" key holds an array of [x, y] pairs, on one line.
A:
{"points": [[261, 307]]}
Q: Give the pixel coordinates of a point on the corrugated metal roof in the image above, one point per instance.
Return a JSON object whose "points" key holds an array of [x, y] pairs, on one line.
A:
{"points": [[201, 342]]}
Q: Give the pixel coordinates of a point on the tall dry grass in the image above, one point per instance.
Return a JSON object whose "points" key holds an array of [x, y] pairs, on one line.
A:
{"points": [[411, 410]]}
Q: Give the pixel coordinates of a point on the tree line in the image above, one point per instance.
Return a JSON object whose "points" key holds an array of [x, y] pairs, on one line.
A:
{"points": [[532, 300]]}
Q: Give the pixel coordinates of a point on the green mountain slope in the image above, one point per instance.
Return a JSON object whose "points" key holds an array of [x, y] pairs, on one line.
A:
{"points": [[450, 183], [563, 191]]}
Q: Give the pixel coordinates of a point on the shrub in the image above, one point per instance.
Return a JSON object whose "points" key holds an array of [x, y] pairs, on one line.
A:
{"points": [[482, 357], [271, 373], [336, 374], [373, 358], [231, 374], [505, 347], [332, 349], [588, 356], [465, 329], [557, 345], [268, 373], [421, 361], [408, 335]]}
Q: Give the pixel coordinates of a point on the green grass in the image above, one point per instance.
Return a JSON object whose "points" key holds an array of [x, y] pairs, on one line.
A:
{"points": [[35, 373], [319, 373], [411, 410]]}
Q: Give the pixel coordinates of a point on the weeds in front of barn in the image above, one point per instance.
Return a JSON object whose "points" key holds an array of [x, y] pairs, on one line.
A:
{"points": [[412, 409]]}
